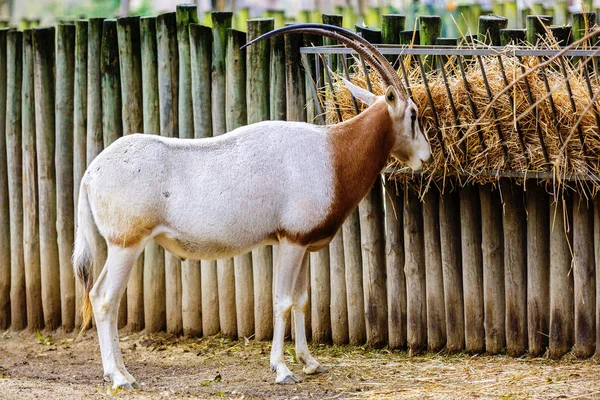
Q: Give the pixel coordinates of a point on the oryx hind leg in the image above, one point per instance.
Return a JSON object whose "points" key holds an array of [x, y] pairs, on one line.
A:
{"points": [[105, 297], [300, 299], [290, 260]]}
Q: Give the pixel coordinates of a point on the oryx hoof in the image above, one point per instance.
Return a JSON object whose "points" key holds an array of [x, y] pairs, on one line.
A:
{"points": [[319, 369], [136, 385], [287, 380], [124, 386]]}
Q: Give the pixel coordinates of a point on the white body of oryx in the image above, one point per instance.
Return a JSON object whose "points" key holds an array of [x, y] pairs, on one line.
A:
{"points": [[215, 197]]}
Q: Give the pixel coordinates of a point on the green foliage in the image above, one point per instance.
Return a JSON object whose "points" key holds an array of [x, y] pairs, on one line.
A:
{"points": [[85, 9]]}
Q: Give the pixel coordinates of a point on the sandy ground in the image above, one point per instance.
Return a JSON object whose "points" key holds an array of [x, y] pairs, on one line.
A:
{"points": [[61, 367]]}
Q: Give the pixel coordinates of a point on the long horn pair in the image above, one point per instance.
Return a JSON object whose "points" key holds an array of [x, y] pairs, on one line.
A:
{"points": [[356, 42]]}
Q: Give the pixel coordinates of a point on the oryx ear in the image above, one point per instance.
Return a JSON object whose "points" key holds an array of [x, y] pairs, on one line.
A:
{"points": [[363, 95]]}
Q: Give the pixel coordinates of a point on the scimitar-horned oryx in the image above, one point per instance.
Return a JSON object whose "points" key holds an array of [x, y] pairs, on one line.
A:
{"points": [[273, 182]]}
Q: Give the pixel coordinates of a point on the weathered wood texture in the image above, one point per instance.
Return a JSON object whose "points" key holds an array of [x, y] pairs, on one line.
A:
{"points": [[434, 280], [357, 333], [515, 268], [538, 268], [225, 267], [493, 269], [191, 303], [236, 116], [257, 101], [154, 257], [31, 240], [472, 268], [4, 207], [79, 131], [394, 261], [130, 63], [584, 277], [168, 86], [561, 278], [65, 224], [414, 270], [14, 78], [95, 137], [112, 125], [43, 50], [452, 270]]}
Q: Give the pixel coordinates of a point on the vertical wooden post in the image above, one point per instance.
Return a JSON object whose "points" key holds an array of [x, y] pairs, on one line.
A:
{"points": [[235, 117], [95, 140], [320, 273], [391, 26], [511, 12], [430, 29], [357, 334], [450, 222], [561, 278], [327, 267], [584, 277], [373, 257], [201, 57], [277, 110], [128, 33], [112, 125], [79, 131], [14, 76], [535, 26], [538, 274], [257, 97], [414, 269], [394, 260], [489, 28], [225, 267], [434, 281], [472, 268], [515, 268], [65, 86], [31, 241], [4, 207], [493, 269], [320, 296], [583, 23], [372, 239], [154, 257], [43, 45], [191, 305], [168, 86]]}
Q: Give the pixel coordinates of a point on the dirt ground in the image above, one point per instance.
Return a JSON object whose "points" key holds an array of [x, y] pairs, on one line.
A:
{"points": [[61, 367]]}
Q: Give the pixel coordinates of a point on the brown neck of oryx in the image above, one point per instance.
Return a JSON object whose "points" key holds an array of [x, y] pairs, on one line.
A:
{"points": [[361, 148]]}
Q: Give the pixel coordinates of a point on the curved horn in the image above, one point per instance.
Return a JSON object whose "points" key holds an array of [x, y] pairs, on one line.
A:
{"points": [[335, 32]]}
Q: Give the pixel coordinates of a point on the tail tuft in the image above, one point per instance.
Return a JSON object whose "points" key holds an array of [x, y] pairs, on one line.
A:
{"points": [[82, 255]]}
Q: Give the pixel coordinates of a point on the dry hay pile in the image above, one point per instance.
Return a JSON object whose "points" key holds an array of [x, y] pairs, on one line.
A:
{"points": [[486, 159]]}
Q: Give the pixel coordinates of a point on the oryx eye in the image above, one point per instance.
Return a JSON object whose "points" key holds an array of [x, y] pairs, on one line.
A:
{"points": [[390, 96]]}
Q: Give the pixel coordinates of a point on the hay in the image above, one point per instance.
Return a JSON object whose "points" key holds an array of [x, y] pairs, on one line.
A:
{"points": [[517, 155]]}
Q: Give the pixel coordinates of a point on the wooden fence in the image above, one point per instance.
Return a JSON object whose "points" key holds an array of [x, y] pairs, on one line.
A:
{"points": [[480, 268]]}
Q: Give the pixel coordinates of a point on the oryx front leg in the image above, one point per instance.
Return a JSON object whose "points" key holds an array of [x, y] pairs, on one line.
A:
{"points": [[290, 260], [311, 366], [105, 297]]}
